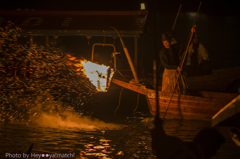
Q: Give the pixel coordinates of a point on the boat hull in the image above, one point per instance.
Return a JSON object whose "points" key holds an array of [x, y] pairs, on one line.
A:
{"points": [[188, 107]]}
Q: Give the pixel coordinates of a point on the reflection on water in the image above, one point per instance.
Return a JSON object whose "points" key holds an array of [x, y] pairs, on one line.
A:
{"points": [[131, 141]]}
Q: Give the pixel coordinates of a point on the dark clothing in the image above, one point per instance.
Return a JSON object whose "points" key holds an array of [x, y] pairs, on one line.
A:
{"points": [[194, 69], [169, 147], [194, 57], [170, 58], [204, 146]]}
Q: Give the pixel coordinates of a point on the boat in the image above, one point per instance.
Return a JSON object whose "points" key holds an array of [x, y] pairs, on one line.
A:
{"points": [[200, 106], [220, 80], [229, 115]]}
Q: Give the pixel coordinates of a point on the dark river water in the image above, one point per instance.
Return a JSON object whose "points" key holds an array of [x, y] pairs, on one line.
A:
{"points": [[128, 138]]}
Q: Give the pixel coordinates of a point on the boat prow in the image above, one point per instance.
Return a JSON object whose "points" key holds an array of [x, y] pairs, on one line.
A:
{"points": [[229, 115]]}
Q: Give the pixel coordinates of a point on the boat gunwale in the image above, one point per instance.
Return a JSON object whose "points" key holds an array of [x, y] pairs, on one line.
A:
{"points": [[151, 93]]}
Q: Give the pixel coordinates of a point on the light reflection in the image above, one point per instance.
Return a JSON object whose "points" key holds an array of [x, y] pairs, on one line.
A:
{"points": [[98, 149], [120, 153]]}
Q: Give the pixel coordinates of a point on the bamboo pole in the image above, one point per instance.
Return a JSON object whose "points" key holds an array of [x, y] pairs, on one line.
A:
{"points": [[183, 59], [136, 53], [157, 117], [176, 17], [128, 57]]}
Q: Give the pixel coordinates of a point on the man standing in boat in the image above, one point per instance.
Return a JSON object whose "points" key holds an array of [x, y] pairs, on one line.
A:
{"points": [[197, 58], [170, 57]]}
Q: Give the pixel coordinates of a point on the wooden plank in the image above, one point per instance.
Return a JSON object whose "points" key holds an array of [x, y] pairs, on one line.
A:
{"points": [[231, 109], [218, 95]]}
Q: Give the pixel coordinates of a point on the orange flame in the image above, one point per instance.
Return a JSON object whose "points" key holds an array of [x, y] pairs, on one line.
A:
{"points": [[99, 75]]}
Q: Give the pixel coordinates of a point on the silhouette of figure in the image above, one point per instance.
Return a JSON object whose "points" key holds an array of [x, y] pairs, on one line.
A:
{"points": [[204, 146], [235, 135]]}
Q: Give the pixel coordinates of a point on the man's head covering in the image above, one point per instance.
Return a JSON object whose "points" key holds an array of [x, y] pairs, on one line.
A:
{"points": [[169, 34], [165, 37]]}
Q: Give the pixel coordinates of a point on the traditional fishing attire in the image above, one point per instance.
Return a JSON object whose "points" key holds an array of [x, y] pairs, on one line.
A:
{"points": [[170, 60], [197, 54]]}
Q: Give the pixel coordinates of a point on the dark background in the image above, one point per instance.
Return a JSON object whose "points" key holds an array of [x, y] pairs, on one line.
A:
{"points": [[217, 26]]}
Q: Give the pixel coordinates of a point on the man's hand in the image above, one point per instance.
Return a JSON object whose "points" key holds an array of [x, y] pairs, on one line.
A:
{"points": [[193, 30], [179, 69]]}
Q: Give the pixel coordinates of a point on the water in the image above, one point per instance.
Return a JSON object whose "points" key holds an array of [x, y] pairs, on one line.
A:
{"points": [[130, 140]]}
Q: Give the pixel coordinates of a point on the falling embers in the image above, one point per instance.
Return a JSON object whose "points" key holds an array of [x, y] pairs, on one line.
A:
{"points": [[40, 83]]}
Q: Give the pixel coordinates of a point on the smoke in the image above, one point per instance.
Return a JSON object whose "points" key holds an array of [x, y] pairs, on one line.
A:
{"points": [[74, 121], [62, 116]]}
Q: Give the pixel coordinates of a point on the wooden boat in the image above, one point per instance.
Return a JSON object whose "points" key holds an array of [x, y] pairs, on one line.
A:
{"points": [[198, 107], [220, 80], [228, 115]]}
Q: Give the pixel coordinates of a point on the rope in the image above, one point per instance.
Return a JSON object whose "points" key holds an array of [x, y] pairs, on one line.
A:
{"points": [[119, 101], [137, 104], [120, 74]]}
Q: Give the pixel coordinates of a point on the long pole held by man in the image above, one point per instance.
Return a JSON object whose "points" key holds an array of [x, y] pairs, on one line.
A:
{"points": [[183, 59]]}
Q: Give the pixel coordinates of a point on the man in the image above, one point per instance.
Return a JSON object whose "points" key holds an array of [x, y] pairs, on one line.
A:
{"points": [[204, 145], [235, 135], [197, 57], [170, 59]]}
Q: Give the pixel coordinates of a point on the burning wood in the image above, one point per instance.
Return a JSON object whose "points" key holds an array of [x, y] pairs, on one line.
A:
{"points": [[99, 75]]}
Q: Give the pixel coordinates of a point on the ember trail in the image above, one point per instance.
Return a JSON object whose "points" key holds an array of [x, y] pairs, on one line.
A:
{"points": [[36, 79]]}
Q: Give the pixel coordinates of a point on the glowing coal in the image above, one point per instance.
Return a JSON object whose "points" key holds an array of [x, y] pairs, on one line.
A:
{"points": [[99, 75]]}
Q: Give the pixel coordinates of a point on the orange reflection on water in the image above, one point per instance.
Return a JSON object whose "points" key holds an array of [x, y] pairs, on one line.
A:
{"points": [[101, 148]]}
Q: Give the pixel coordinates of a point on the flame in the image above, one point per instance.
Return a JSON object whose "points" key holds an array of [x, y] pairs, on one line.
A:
{"points": [[98, 74]]}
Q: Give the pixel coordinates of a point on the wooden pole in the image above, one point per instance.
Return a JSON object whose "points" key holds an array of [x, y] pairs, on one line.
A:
{"points": [[157, 117], [183, 60], [128, 57], [176, 17], [190, 37], [136, 53]]}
